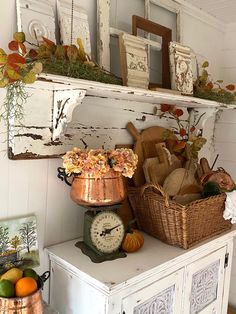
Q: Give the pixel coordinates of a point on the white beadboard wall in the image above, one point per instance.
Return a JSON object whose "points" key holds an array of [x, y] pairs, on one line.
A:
{"points": [[32, 186], [228, 63], [225, 130]]}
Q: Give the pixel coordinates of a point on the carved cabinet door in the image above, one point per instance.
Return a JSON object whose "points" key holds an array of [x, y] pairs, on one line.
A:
{"points": [[205, 283], [160, 297]]}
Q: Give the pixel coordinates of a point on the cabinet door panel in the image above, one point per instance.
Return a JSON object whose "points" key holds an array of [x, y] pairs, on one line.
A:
{"points": [[161, 297], [204, 284], [71, 295]]}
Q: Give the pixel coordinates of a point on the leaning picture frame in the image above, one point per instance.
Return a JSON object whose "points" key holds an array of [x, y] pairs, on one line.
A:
{"points": [[166, 35], [104, 30]]}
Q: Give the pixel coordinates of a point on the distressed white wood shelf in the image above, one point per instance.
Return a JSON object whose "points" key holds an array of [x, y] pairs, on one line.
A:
{"points": [[63, 112], [126, 93]]}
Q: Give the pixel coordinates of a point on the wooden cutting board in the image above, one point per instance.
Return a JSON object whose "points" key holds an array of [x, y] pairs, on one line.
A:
{"points": [[158, 168], [177, 180], [151, 136]]}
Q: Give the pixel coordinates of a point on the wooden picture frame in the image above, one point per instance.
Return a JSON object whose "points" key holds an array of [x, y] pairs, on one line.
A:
{"points": [[165, 33], [104, 31]]}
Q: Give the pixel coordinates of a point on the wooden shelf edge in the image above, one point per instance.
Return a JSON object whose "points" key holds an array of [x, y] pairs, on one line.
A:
{"points": [[123, 92]]}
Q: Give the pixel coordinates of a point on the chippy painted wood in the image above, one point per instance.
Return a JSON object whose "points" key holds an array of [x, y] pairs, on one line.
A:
{"points": [[181, 68], [176, 8], [36, 19], [80, 27], [104, 31], [99, 121], [170, 6], [121, 92], [134, 64], [155, 263], [64, 104]]}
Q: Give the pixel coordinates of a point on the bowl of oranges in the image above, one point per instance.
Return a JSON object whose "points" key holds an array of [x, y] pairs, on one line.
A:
{"points": [[20, 291]]}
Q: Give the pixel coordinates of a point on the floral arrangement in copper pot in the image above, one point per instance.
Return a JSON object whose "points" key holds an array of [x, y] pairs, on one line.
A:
{"points": [[99, 161], [98, 174]]}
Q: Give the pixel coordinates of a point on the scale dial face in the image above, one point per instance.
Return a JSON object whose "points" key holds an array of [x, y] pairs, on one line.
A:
{"points": [[107, 231]]}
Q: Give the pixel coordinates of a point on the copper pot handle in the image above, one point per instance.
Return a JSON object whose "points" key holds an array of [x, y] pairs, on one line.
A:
{"points": [[45, 276], [158, 188], [63, 176]]}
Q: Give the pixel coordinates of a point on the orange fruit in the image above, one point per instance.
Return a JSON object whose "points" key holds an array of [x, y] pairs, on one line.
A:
{"points": [[25, 286]]}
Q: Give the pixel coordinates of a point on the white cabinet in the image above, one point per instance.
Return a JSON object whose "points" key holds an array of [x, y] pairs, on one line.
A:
{"points": [[204, 283], [158, 279], [162, 296]]}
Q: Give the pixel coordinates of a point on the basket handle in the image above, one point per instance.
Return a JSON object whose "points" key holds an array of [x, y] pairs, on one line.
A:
{"points": [[158, 188]]}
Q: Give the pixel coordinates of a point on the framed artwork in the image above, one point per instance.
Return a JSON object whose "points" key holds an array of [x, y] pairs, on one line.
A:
{"points": [[134, 64], [18, 244], [35, 19], [73, 21], [162, 31], [104, 30], [181, 68]]}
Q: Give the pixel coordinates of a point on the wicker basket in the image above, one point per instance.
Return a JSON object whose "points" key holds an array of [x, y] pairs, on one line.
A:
{"points": [[176, 224]]}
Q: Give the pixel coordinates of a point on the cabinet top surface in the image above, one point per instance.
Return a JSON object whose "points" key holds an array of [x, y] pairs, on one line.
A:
{"points": [[155, 256], [56, 82]]}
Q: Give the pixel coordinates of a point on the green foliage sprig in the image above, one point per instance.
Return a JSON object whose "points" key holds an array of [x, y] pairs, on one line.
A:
{"points": [[190, 141], [205, 87], [16, 70]]}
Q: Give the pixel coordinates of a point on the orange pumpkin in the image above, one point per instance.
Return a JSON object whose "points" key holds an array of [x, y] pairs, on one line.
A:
{"points": [[133, 241]]}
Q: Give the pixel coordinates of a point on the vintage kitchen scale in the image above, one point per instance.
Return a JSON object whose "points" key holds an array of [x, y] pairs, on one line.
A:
{"points": [[103, 228]]}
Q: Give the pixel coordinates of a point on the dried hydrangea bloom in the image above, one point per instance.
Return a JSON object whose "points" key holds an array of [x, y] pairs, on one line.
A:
{"points": [[98, 162]]}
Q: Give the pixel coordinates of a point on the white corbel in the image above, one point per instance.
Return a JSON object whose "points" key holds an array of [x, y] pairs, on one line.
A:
{"points": [[65, 101]]}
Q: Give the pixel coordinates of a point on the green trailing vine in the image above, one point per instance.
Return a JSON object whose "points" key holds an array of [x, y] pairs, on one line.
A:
{"points": [[13, 105]]}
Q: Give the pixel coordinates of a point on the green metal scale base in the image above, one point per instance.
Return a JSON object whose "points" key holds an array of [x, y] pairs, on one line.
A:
{"points": [[108, 229]]}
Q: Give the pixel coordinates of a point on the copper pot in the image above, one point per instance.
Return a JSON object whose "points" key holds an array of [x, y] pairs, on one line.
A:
{"points": [[31, 304], [90, 191]]}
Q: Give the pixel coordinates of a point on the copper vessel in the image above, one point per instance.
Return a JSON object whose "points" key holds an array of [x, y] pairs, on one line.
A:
{"points": [[31, 304], [90, 191]]}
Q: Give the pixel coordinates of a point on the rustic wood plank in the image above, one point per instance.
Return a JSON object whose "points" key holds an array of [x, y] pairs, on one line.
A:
{"points": [[231, 310], [103, 33]]}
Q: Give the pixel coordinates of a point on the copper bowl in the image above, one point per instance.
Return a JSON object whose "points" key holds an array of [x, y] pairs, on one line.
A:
{"points": [[31, 304], [90, 191]]}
